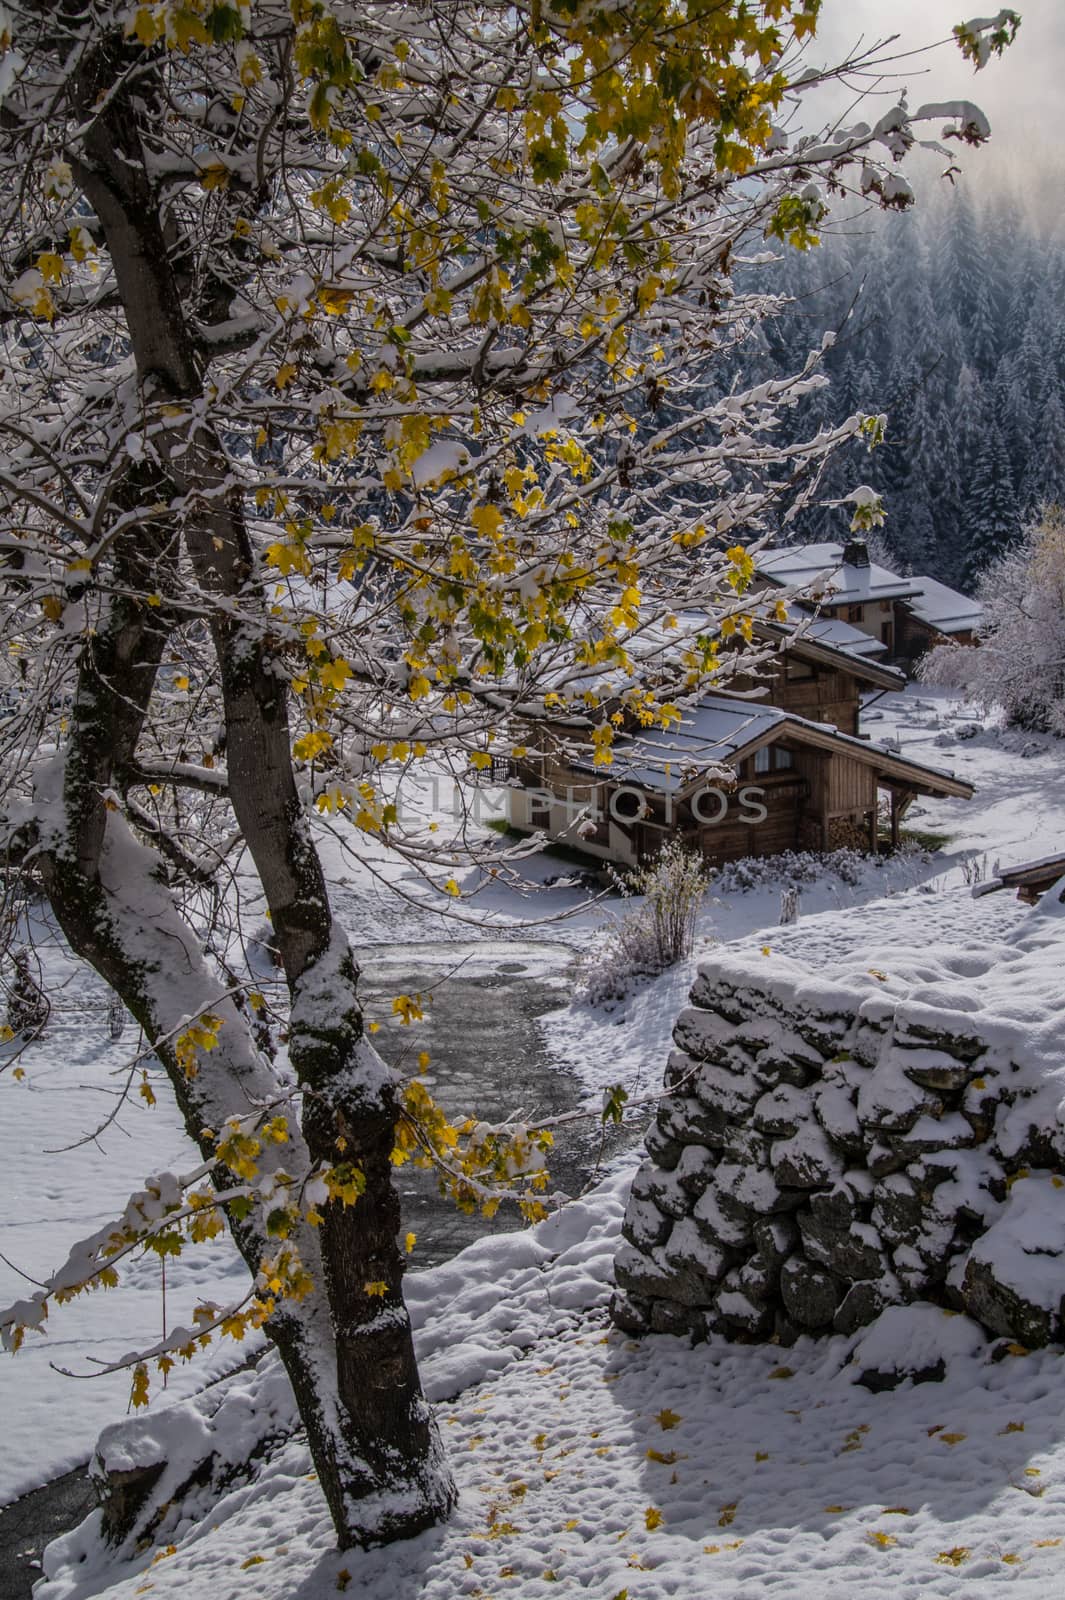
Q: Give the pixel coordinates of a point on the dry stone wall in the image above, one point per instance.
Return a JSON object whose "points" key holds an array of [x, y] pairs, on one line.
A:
{"points": [[825, 1152]]}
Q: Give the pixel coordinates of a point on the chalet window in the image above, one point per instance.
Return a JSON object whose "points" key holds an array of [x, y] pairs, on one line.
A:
{"points": [[772, 758], [885, 605], [799, 670], [855, 613]]}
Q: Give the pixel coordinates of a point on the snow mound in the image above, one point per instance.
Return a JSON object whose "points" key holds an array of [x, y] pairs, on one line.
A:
{"points": [[917, 1341]]}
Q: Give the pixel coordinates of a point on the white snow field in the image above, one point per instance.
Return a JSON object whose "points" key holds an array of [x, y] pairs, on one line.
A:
{"points": [[589, 1463]]}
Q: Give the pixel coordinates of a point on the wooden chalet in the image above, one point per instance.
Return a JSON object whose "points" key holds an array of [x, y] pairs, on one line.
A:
{"points": [[738, 776], [901, 617]]}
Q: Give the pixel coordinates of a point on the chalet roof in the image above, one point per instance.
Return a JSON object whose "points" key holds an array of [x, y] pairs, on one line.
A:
{"points": [[845, 583], [943, 608], [710, 734], [722, 729], [843, 636], [812, 644]]}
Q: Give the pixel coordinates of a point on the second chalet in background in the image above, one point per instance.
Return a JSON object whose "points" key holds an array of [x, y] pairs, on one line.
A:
{"points": [[778, 761]]}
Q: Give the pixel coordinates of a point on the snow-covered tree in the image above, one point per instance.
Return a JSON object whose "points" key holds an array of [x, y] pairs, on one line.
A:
{"points": [[355, 409], [991, 502], [1020, 661]]}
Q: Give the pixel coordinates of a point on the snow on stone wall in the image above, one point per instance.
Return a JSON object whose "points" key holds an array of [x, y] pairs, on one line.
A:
{"points": [[835, 1144]]}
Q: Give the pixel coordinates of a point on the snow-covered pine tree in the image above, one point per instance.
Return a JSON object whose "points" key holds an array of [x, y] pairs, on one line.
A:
{"points": [[960, 302], [990, 504]]}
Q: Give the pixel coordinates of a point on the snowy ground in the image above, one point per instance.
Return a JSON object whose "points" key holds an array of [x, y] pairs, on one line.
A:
{"points": [[590, 1464], [803, 1484]]}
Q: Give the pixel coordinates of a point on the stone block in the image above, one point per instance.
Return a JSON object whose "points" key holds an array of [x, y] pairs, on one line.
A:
{"points": [[662, 1189], [700, 1259], [810, 1295], [781, 1112], [833, 1106], [724, 1095], [643, 1225], [732, 1230], [694, 1170], [888, 1102], [862, 1304], [775, 1239], [806, 1161], [935, 1069], [850, 1253], [664, 1151], [738, 1311], [668, 1317], [630, 1312]]}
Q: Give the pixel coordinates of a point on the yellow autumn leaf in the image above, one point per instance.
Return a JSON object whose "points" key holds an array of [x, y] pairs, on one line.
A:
{"points": [[215, 175], [487, 520], [953, 1558], [653, 1518], [139, 1391], [312, 744], [285, 374], [334, 674], [50, 267], [409, 1242], [668, 1419]]}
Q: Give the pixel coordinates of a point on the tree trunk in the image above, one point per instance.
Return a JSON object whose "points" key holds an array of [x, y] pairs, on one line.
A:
{"points": [[348, 1350]]}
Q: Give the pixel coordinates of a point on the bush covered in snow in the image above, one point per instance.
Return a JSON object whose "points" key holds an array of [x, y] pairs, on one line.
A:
{"points": [[1020, 662], [658, 932]]}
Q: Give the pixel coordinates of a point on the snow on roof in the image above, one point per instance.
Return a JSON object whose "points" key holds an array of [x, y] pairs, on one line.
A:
{"points": [[720, 728], [708, 735], [848, 584], [944, 608], [843, 636]]}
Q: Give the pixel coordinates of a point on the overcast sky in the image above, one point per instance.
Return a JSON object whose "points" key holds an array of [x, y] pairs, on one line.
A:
{"points": [[1023, 93]]}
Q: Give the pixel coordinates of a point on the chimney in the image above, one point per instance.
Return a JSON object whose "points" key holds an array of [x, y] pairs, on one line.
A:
{"points": [[856, 553]]}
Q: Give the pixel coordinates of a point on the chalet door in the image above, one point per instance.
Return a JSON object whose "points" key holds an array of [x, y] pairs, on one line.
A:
{"points": [[887, 636]]}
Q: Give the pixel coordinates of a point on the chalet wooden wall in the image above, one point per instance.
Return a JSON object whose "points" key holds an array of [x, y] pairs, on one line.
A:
{"points": [[812, 691], [916, 638]]}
